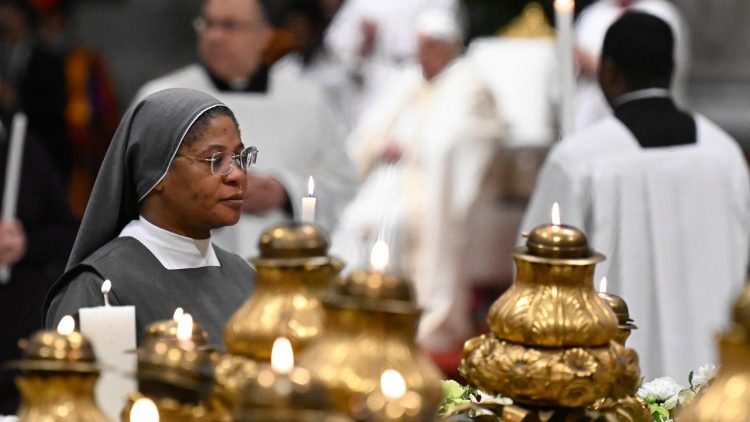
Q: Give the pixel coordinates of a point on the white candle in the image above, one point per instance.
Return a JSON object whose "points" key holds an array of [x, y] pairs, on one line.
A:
{"points": [[111, 330], [564, 23], [308, 203], [555, 214], [379, 256], [603, 285], [13, 176], [144, 410]]}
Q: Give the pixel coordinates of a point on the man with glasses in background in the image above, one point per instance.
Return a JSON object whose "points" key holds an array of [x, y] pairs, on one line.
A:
{"points": [[289, 120]]}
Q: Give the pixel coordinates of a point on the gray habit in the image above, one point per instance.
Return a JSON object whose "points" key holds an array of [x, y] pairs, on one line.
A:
{"points": [[139, 156]]}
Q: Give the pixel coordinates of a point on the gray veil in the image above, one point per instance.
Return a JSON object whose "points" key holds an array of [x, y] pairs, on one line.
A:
{"points": [[138, 157]]}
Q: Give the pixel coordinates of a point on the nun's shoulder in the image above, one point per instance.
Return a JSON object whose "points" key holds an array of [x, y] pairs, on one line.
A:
{"points": [[228, 258]]}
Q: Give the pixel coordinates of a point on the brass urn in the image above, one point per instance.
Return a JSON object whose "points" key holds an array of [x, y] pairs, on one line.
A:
{"points": [[727, 398], [552, 337], [57, 377], [371, 323], [293, 271], [175, 371]]}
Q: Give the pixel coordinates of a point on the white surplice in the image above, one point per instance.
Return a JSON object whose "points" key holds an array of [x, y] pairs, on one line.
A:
{"points": [[591, 27], [448, 130], [674, 224], [297, 136]]}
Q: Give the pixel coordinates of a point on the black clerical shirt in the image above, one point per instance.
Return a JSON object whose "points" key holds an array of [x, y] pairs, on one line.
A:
{"points": [[257, 83], [657, 122]]}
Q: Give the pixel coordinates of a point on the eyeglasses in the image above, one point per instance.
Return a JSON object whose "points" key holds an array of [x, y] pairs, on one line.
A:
{"points": [[201, 24], [223, 163]]}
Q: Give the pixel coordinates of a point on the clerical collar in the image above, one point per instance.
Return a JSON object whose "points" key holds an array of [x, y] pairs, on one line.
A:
{"points": [[257, 82], [640, 94], [173, 251]]}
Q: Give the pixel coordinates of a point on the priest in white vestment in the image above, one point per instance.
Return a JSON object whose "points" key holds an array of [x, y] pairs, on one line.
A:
{"points": [[590, 28], [424, 149], [288, 119], [664, 194]]}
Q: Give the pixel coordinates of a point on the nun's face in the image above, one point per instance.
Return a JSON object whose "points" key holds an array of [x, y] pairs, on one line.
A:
{"points": [[193, 198]]}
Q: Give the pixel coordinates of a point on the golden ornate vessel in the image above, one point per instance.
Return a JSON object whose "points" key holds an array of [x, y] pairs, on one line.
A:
{"points": [[371, 323], [552, 337], [293, 271], [728, 396], [57, 377], [175, 371]]}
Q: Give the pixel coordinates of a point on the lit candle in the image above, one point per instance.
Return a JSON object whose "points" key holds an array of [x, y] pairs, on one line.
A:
{"points": [[379, 256], [393, 402], [564, 23], [308, 203], [66, 326], [144, 410], [555, 214], [603, 285], [177, 314], [111, 330], [13, 177]]}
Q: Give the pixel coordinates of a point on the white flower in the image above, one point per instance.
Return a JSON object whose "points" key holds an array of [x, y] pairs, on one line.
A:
{"points": [[660, 389], [703, 375], [682, 398]]}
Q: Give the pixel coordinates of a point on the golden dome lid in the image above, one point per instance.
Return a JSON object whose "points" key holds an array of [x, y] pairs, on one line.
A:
{"points": [[558, 241], [292, 239], [168, 329], [52, 351], [374, 291], [620, 308]]}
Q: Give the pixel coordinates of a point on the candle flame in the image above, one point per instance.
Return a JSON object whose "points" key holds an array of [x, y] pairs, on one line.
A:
{"points": [[144, 410], [564, 5], [392, 384], [185, 327], [555, 214], [310, 186], [603, 285], [106, 287], [178, 314], [379, 256], [67, 325], [282, 356]]}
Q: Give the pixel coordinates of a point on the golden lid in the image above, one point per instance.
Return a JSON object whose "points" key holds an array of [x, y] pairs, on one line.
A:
{"points": [[292, 239], [620, 308], [177, 363], [558, 241], [50, 351], [168, 329], [375, 291]]}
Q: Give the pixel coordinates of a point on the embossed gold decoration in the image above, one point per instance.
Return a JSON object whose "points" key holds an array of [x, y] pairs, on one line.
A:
{"points": [[552, 341], [728, 397], [531, 23], [624, 322], [293, 271], [58, 374], [370, 327]]}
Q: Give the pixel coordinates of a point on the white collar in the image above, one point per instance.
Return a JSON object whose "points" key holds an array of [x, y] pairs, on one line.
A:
{"points": [[175, 252], [640, 94]]}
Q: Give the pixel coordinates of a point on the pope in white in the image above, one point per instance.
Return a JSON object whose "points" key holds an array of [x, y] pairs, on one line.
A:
{"points": [[663, 193], [424, 149], [288, 119]]}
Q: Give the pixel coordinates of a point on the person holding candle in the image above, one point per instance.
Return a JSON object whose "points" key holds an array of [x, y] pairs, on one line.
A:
{"points": [[175, 170], [34, 245], [663, 193]]}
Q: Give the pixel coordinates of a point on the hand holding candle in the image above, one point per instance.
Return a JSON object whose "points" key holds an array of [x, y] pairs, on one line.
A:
{"points": [[13, 177], [308, 203]]}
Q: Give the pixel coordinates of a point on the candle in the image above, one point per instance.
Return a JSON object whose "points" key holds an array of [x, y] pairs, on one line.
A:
{"points": [[144, 410], [603, 285], [564, 23], [12, 177], [393, 402], [308, 203], [111, 330], [555, 214], [379, 256]]}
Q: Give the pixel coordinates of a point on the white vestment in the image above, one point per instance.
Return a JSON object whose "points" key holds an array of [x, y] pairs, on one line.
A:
{"points": [[592, 26], [674, 224], [448, 130], [297, 136]]}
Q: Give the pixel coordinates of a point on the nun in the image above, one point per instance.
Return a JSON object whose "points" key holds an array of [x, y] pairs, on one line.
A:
{"points": [[175, 170]]}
